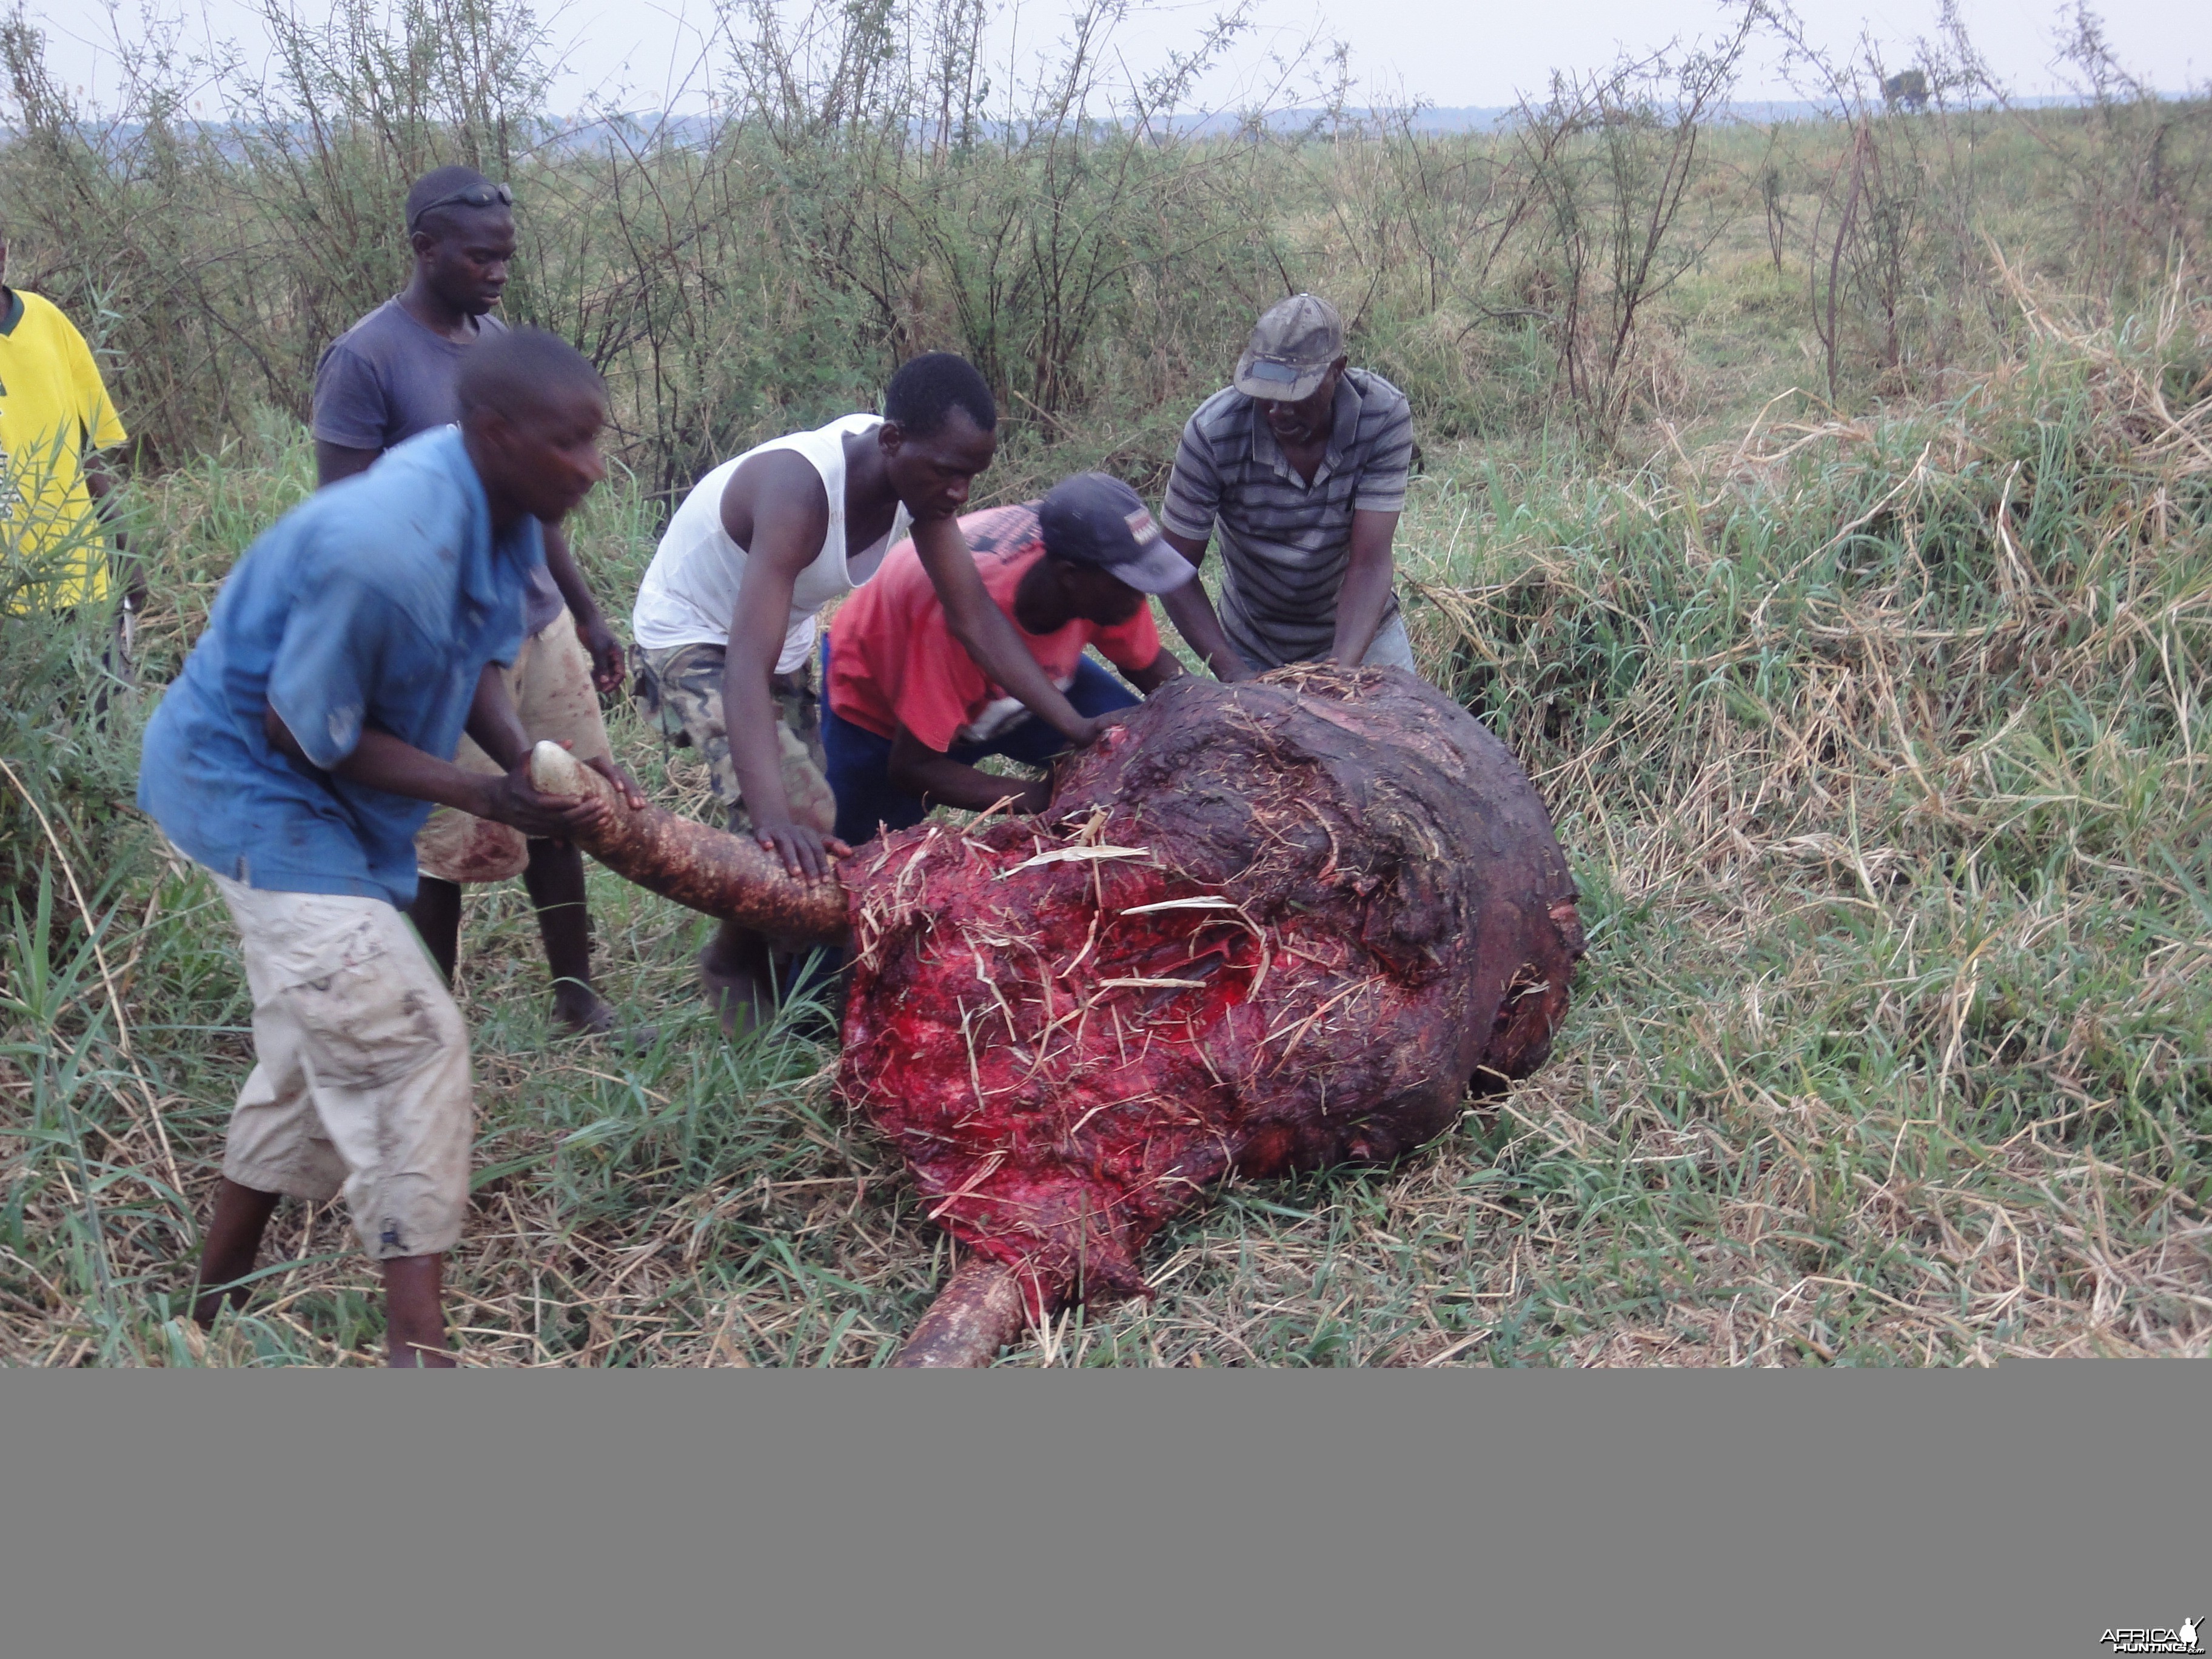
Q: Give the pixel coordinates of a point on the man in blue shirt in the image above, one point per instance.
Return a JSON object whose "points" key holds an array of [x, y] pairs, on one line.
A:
{"points": [[308, 737]]}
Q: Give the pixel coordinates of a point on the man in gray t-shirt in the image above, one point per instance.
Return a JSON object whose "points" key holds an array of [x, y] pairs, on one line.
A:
{"points": [[383, 380], [1299, 468], [388, 377]]}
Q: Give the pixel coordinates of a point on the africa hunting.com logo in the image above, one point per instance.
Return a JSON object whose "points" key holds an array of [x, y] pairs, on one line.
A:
{"points": [[2181, 1640]]}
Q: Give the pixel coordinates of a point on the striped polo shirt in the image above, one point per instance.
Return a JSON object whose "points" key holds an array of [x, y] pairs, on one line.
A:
{"points": [[1285, 543]]}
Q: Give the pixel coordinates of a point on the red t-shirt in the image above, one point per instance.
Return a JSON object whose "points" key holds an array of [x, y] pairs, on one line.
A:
{"points": [[894, 662]]}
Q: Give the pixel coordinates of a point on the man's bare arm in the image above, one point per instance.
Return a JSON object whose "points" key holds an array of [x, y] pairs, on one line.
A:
{"points": [[987, 636], [1192, 613], [1164, 667], [1366, 590], [335, 461], [381, 760], [943, 781], [100, 483], [496, 725], [599, 641], [776, 508]]}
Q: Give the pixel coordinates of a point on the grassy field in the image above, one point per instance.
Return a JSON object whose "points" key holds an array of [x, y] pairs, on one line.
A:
{"points": [[1879, 747], [1854, 616]]}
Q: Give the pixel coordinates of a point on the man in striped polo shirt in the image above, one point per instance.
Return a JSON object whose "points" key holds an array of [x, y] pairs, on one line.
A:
{"points": [[1300, 467]]}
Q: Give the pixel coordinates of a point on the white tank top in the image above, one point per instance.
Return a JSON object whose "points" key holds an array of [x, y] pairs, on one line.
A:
{"points": [[689, 593]]}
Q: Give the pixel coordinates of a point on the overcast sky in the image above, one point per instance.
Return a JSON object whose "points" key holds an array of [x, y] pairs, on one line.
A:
{"points": [[1446, 52]]}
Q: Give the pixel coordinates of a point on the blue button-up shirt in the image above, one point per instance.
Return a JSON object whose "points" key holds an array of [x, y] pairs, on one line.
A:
{"points": [[378, 602]]}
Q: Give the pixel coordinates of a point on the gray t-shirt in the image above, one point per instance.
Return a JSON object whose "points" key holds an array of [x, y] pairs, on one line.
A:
{"points": [[386, 378]]}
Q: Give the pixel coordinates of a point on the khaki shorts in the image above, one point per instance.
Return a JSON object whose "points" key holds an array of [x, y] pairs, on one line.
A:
{"points": [[679, 692], [550, 680], [361, 1076]]}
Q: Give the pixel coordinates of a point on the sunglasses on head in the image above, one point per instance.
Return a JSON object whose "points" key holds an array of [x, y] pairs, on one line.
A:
{"points": [[479, 195]]}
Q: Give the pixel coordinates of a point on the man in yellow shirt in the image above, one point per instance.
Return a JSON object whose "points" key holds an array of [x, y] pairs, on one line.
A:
{"points": [[55, 418]]}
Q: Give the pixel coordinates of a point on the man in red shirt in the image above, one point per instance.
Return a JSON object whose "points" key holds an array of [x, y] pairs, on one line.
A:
{"points": [[910, 711]]}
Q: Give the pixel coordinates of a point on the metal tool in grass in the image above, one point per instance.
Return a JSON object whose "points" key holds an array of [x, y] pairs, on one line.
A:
{"points": [[1263, 927]]}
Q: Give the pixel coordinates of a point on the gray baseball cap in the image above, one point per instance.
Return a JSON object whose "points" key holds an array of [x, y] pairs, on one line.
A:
{"points": [[1290, 349]]}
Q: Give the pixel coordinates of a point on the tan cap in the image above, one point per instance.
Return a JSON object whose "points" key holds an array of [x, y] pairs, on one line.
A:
{"points": [[1290, 349]]}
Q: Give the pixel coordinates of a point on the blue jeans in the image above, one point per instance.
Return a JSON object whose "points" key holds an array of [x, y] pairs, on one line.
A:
{"points": [[860, 762]]}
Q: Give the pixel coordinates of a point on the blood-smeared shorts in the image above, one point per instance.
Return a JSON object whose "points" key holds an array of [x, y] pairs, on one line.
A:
{"points": [[550, 680], [360, 1080]]}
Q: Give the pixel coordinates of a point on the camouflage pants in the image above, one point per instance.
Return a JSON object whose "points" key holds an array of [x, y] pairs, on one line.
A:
{"points": [[679, 692]]}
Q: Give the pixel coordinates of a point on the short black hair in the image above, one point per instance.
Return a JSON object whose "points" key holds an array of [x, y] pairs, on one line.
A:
{"points": [[521, 371], [435, 187], [929, 387]]}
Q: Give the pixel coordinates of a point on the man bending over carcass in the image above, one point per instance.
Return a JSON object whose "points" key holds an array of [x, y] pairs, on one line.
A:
{"points": [[311, 731], [1299, 470], [725, 616], [910, 714]]}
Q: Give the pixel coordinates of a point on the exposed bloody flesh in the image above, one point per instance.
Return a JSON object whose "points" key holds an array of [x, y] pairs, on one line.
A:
{"points": [[1263, 926], [1266, 927]]}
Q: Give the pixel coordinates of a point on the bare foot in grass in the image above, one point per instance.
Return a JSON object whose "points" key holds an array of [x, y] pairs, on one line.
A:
{"points": [[739, 997], [587, 1014]]}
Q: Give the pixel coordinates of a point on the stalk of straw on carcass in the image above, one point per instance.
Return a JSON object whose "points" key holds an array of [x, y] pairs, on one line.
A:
{"points": [[696, 864]]}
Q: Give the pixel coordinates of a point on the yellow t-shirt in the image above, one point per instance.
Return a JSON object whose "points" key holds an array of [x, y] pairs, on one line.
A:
{"points": [[53, 408]]}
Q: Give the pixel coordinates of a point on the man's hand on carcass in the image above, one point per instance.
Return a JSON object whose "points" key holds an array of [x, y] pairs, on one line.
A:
{"points": [[626, 787], [806, 851], [1098, 726], [512, 798]]}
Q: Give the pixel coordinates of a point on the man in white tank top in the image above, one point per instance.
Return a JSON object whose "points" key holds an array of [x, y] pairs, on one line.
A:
{"points": [[725, 619]]}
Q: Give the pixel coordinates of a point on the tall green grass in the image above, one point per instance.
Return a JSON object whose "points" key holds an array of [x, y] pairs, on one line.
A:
{"points": [[1859, 651], [1878, 748]]}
